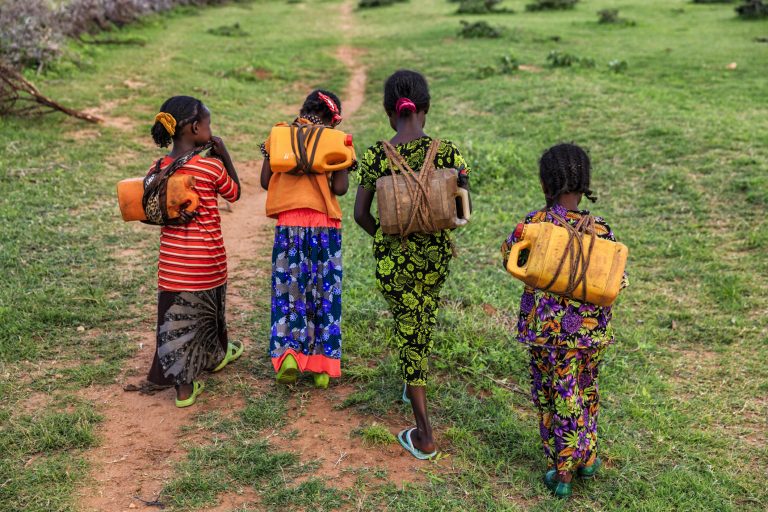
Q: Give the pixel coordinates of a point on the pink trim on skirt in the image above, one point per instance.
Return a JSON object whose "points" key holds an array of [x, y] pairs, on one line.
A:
{"points": [[307, 218]]}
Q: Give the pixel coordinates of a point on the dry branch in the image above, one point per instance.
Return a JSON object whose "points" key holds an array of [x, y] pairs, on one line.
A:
{"points": [[16, 94]]}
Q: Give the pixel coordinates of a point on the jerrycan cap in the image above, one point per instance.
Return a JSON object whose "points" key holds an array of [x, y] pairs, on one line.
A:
{"points": [[348, 140]]}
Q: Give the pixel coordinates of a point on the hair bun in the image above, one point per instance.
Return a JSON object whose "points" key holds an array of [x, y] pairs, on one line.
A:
{"points": [[405, 104]]}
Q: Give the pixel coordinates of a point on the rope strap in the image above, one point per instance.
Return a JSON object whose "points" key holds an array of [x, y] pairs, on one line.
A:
{"points": [[574, 253], [417, 187], [301, 134]]}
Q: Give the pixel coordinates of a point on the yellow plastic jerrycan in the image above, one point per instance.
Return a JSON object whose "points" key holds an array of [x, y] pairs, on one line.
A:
{"points": [[332, 151], [548, 245], [179, 192]]}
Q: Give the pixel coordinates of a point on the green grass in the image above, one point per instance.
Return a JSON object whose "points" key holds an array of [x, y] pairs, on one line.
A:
{"points": [[680, 161]]}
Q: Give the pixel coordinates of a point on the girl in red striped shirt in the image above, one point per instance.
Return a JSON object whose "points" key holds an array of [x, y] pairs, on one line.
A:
{"points": [[192, 269]]}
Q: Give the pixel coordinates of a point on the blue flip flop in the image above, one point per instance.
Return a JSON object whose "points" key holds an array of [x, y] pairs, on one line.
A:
{"points": [[406, 400], [404, 437]]}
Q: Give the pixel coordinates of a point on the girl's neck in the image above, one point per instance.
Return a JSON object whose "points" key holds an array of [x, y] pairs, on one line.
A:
{"points": [[408, 129], [181, 147], [569, 201]]}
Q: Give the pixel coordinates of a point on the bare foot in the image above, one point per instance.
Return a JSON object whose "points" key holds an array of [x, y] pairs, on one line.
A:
{"points": [[184, 391], [422, 443]]}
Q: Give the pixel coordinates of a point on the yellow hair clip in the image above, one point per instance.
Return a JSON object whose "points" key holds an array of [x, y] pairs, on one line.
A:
{"points": [[168, 121]]}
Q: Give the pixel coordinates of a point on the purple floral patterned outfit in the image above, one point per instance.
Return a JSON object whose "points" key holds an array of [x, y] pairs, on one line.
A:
{"points": [[566, 340]]}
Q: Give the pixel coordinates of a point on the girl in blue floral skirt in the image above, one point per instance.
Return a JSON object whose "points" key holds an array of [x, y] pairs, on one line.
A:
{"points": [[305, 331]]}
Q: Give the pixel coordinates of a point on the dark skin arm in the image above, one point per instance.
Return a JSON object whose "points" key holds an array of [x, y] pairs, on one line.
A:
{"points": [[219, 150], [363, 217], [266, 174], [340, 182]]}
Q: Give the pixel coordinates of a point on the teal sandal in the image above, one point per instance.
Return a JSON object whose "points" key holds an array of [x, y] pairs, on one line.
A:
{"points": [[233, 354], [590, 471], [560, 489], [197, 388]]}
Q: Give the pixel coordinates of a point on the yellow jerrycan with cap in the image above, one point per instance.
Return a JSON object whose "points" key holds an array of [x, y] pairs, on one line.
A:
{"points": [[305, 148], [565, 262]]}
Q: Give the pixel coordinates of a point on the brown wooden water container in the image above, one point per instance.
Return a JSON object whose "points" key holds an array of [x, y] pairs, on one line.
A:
{"points": [[180, 192], [448, 202]]}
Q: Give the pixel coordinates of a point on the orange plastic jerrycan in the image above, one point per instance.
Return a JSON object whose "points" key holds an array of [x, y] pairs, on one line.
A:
{"points": [[180, 194], [548, 245], [332, 151]]}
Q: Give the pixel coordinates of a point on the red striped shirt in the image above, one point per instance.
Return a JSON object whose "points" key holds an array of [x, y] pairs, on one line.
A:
{"points": [[192, 256]]}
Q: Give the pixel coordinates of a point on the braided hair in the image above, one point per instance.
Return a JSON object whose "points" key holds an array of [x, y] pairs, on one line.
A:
{"points": [[565, 168], [406, 92], [315, 106], [185, 110]]}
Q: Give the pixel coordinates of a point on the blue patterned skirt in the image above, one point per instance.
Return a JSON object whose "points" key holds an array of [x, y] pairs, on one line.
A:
{"points": [[306, 298]]}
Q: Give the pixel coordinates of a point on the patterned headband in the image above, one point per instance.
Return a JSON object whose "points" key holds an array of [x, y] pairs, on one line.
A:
{"points": [[332, 107]]}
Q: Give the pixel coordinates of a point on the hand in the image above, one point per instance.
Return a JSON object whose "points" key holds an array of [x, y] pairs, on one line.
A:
{"points": [[218, 149], [185, 216]]}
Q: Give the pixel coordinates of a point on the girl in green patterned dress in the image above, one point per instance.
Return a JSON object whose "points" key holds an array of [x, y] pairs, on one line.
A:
{"points": [[410, 272]]}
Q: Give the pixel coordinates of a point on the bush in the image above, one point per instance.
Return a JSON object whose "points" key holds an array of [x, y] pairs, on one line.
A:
{"points": [[32, 31], [551, 5], [377, 3], [611, 16], [618, 66], [508, 64], [478, 29], [752, 10], [480, 7]]}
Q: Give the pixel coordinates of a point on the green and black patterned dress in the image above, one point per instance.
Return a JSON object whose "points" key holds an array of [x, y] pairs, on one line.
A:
{"points": [[410, 275]]}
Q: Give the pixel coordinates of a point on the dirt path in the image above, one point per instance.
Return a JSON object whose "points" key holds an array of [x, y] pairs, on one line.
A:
{"points": [[142, 434]]}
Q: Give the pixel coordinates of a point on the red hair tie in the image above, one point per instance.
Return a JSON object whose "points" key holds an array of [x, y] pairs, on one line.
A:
{"points": [[332, 107], [404, 104]]}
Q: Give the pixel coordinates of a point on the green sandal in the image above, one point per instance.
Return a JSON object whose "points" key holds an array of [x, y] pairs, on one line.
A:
{"points": [[322, 380], [289, 371], [233, 354], [197, 388], [560, 489], [589, 471]]}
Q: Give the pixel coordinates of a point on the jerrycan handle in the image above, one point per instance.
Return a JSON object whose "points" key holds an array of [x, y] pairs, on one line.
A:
{"points": [[514, 256], [464, 195], [347, 163], [194, 202], [191, 196]]}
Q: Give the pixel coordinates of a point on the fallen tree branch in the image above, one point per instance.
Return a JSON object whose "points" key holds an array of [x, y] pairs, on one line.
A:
{"points": [[14, 88]]}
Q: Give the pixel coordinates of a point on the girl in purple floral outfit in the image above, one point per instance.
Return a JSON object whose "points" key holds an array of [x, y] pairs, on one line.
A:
{"points": [[566, 338]]}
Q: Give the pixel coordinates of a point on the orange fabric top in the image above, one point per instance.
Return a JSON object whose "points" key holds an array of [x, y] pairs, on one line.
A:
{"points": [[288, 192]]}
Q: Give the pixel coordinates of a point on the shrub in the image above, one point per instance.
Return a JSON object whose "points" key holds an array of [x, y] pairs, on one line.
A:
{"points": [[618, 66], [480, 7], [551, 5], [508, 64], [32, 31], [752, 10], [30, 34], [564, 60], [557, 59], [377, 3], [611, 16], [228, 31], [478, 29]]}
